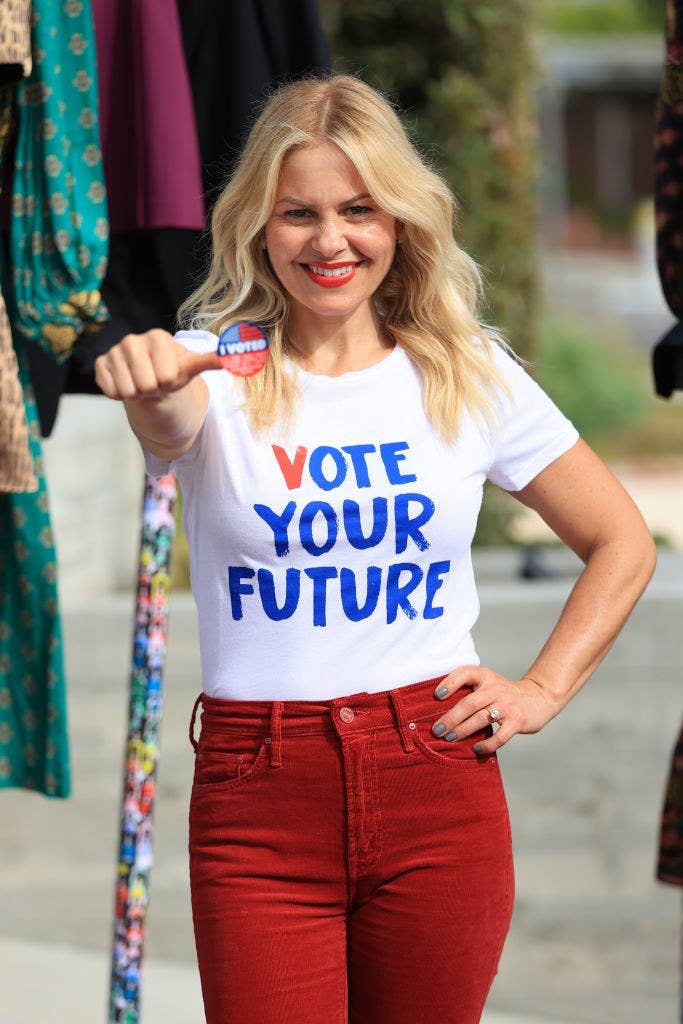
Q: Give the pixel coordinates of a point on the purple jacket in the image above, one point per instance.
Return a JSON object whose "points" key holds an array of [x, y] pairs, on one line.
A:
{"points": [[147, 122]]}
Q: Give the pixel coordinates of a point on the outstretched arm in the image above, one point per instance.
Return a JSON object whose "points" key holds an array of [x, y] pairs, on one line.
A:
{"points": [[157, 380], [587, 507]]}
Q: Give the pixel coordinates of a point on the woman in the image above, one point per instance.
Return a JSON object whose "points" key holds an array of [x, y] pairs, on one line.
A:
{"points": [[349, 839]]}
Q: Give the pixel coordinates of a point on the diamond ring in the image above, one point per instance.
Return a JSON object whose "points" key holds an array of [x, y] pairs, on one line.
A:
{"points": [[494, 714]]}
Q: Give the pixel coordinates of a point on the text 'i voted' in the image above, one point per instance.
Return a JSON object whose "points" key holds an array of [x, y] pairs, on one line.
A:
{"points": [[243, 348]]}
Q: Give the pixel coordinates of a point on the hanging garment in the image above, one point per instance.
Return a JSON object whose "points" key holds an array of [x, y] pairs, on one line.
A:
{"points": [[236, 53], [15, 41], [154, 189], [34, 750], [670, 863], [147, 278], [147, 121], [59, 228], [667, 356], [16, 464]]}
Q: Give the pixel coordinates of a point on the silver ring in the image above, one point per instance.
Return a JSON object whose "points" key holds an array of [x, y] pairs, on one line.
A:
{"points": [[494, 714]]}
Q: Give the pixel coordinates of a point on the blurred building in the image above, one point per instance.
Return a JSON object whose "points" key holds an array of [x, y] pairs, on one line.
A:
{"points": [[596, 110], [596, 106]]}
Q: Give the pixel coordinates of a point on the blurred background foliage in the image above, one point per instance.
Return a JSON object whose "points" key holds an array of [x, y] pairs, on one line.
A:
{"points": [[590, 376], [594, 373], [602, 17], [463, 76]]}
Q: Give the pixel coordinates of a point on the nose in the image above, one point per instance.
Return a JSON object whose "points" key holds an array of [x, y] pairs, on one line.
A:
{"points": [[329, 238]]}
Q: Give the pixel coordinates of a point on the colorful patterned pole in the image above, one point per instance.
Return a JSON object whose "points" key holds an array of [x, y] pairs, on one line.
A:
{"points": [[142, 749]]}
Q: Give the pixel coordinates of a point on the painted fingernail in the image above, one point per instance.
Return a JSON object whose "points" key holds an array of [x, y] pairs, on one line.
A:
{"points": [[438, 729], [477, 749], [441, 691], [451, 736]]}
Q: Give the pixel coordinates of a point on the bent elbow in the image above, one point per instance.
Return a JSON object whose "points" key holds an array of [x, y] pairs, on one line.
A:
{"points": [[649, 558], [643, 561]]}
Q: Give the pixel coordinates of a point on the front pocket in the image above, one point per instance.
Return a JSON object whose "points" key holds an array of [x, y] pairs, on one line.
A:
{"points": [[228, 760], [455, 754]]}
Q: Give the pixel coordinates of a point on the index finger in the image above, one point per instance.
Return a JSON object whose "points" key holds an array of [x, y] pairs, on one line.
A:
{"points": [[464, 675]]}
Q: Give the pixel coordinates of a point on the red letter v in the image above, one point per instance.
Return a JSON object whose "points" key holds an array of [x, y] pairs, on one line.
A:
{"points": [[291, 471]]}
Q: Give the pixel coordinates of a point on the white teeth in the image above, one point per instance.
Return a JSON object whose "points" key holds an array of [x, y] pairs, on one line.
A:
{"points": [[330, 272]]}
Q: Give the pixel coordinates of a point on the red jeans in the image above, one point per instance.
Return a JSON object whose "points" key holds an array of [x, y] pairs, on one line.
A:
{"points": [[345, 864]]}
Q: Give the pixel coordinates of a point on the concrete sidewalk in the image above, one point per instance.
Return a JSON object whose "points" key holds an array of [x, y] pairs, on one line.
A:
{"points": [[594, 938]]}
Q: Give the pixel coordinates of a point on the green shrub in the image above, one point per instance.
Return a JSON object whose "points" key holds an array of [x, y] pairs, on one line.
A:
{"points": [[594, 379], [603, 385], [603, 17], [494, 526]]}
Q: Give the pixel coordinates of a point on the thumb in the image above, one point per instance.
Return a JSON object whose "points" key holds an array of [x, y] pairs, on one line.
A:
{"points": [[194, 363]]}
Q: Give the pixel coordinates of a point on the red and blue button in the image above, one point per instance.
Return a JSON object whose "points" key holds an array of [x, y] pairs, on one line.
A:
{"points": [[243, 348]]}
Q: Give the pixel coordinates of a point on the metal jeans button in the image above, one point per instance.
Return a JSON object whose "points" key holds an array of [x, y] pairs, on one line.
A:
{"points": [[346, 714]]}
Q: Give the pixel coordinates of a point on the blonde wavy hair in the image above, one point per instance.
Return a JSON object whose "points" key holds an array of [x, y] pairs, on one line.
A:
{"points": [[427, 302]]}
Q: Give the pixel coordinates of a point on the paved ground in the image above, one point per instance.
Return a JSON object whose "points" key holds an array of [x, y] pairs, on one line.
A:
{"points": [[594, 939]]}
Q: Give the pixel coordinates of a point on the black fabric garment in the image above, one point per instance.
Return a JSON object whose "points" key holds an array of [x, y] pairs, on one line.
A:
{"points": [[236, 53], [667, 356], [147, 278], [667, 362]]}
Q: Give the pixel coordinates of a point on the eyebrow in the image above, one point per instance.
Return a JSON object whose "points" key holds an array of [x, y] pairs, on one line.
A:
{"points": [[346, 202]]}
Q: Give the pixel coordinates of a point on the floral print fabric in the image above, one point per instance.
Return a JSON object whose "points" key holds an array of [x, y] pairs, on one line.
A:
{"points": [[34, 751], [668, 153], [15, 40], [59, 228], [16, 465], [670, 863]]}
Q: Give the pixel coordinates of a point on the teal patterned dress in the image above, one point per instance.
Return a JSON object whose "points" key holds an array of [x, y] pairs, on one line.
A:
{"points": [[60, 230], [51, 276], [34, 749]]}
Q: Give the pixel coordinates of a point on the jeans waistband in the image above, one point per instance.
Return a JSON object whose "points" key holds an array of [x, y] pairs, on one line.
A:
{"points": [[352, 713]]}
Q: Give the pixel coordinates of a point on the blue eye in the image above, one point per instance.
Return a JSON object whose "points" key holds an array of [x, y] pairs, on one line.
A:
{"points": [[356, 210], [297, 214]]}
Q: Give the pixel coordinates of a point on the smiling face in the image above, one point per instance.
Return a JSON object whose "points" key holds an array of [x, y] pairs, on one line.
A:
{"points": [[329, 243]]}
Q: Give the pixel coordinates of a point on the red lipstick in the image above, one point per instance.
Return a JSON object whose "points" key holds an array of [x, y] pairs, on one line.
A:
{"points": [[328, 280]]}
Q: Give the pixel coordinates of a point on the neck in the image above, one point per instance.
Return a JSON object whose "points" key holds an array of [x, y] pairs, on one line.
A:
{"points": [[330, 346]]}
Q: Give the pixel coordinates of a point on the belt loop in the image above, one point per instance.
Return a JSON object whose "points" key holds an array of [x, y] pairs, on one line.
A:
{"points": [[276, 734], [193, 741], [406, 735]]}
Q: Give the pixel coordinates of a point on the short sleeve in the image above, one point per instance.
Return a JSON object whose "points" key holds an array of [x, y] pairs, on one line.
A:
{"points": [[532, 433], [195, 341]]}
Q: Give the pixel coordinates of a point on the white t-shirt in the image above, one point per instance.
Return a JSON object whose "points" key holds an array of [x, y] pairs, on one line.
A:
{"points": [[338, 559]]}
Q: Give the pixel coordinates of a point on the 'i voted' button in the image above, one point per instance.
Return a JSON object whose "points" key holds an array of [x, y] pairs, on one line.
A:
{"points": [[243, 348]]}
